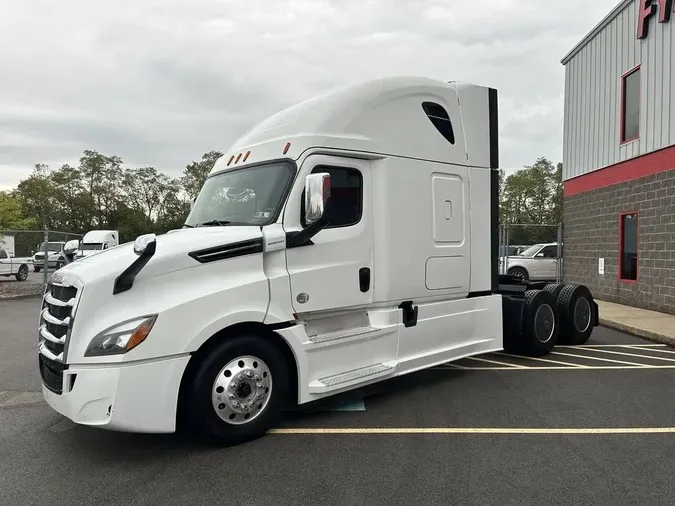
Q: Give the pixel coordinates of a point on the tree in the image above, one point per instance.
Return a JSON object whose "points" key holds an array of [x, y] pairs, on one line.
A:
{"points": [[196, 173], [533, 194], [36, 194], [11, 214]]}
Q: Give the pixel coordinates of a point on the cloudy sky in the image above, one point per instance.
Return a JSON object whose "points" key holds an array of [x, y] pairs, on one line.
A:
{"points": [[160, 82]]}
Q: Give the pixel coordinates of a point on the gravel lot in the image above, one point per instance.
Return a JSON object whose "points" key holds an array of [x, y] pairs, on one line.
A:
{"points": [[11, 288]]}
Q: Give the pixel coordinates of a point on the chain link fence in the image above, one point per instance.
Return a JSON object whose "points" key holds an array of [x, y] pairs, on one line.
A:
{"points": [[531, 252], [41, 250]]}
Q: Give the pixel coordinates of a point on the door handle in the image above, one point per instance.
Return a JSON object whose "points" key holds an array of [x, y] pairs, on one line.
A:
{"points": [[364, 279]]}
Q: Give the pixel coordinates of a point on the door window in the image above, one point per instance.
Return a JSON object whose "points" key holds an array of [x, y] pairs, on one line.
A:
{"points": [[346, 190], [550, 251], [3, 254]]}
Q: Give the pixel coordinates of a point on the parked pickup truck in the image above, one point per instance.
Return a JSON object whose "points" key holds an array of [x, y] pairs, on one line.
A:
{"points": [[12, 266]]}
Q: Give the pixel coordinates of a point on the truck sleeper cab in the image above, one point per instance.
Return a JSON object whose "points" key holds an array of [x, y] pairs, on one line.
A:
{"points": [[347, 240]]}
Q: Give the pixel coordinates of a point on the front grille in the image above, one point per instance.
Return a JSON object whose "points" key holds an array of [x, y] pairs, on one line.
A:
{"points": [[55, 322], [51, 373], [62, 293]]}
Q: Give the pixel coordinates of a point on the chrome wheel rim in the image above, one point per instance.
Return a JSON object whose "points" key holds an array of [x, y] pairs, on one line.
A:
{"points": [[544, 323], [242, 390], [582, 314]]}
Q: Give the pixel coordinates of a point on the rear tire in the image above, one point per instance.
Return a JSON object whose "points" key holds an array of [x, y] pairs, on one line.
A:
{"points": [[22, 274], [541, 324], [519, 273], [575, 305], [236, 392], [554, 289]]}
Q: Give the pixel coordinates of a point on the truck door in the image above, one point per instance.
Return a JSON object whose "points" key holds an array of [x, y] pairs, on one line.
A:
{"points": [[335, 270], [5, 263]]}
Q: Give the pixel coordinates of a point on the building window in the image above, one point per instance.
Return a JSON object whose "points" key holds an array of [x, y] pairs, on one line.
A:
{"points": [[628, 246], [630, 105], [346, 192]]}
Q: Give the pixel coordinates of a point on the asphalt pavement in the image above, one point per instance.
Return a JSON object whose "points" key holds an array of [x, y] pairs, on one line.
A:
{"points": [[585, 426]]}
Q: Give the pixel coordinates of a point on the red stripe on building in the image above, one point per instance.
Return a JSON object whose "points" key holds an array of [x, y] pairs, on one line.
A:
{"points": [[645, 165]]}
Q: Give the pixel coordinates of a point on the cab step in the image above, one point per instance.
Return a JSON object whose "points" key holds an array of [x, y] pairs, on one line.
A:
{"points": [[346, 335], [352, 378]]}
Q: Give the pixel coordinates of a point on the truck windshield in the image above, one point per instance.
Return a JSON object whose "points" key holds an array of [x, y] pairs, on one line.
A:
{"points": [[90, 246], [531, 251], [51, 247], [248, 196]]}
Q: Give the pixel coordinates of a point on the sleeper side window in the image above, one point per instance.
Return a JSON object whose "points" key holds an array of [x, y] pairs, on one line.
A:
{"points": [[346, 189]]}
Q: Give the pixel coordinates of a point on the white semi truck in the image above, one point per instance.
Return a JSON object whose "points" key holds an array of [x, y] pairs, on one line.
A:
{"points": [[97, 240], [346, 240]]}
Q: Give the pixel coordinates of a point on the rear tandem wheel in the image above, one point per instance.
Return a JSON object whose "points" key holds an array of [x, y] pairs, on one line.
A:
{"points": [[575, 305]]}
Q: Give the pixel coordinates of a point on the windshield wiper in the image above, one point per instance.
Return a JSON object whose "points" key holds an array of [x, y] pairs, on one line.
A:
{"points": [[214, 223]]}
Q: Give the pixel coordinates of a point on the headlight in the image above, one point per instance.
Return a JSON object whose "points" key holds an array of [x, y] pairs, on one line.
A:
{"points": [[121, 338]]}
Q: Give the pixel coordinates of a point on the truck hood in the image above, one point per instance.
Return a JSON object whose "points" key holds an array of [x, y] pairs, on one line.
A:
{"points": [[172, 253]]}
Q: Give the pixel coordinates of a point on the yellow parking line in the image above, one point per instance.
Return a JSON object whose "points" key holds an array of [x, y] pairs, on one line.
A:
{"points": [[632, 354], [544, 360], [512, 366], [600, 359], [477, 430]]}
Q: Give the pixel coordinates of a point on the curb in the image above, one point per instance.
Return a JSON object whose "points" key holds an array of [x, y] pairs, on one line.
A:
{"points": [[637, 331], [21, 297]]}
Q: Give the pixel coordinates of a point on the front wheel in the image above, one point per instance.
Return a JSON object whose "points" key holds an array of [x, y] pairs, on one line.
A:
{"points": [[22, 275], [237, 391]]}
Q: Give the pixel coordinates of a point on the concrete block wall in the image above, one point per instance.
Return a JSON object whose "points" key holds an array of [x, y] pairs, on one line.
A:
{"points": [[592, 232]]}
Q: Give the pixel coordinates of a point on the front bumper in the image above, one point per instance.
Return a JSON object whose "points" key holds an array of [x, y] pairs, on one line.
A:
{"points": [[137, 397]]}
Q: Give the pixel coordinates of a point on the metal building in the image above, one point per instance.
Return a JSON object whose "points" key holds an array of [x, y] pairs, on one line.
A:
{"points": [[619, 157]]}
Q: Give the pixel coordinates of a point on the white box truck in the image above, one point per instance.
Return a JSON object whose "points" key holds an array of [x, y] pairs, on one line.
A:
{"points": [[346, 240]]}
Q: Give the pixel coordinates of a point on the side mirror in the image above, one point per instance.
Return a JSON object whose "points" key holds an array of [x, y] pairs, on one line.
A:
{"points": [[540, 255], [317, 193], [70, 248], [145, 245]]}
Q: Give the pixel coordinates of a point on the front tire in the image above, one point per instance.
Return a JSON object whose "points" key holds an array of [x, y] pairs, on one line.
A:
{"points": [[237, 391], [22, 275]]}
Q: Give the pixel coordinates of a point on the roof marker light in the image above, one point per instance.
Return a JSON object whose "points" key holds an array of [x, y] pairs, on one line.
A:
{"points": [[287, 147], [246, 156], [230, 160], [237, 160]]}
